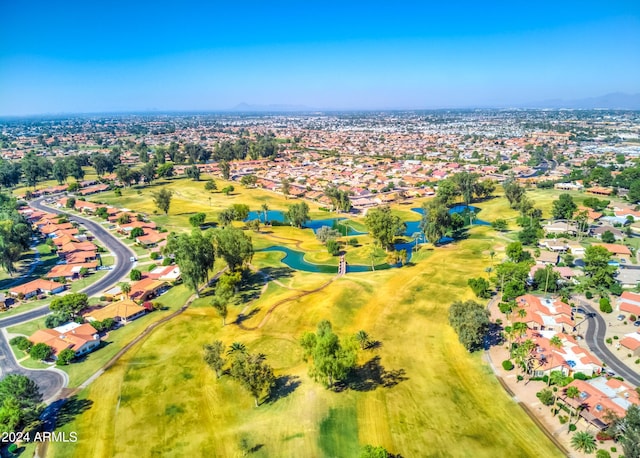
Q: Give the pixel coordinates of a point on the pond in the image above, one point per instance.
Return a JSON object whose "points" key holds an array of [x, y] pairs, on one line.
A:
{"points": [[339, 224], [295, 260]]}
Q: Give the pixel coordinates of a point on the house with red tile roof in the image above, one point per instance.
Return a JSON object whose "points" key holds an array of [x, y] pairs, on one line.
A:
{"points": [[122, 312], [35, 287], [629, 302], [632, 343], [70, 271], [545, 314], [81, 338], [600, 397]]}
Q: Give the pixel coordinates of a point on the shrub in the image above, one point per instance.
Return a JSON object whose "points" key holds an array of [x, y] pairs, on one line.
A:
{"points": [[151, 267], [579, 376], [572, 427], [605, 305], [603, 436], [520, 378], [507, 365], [615, 337], [609, 340], [21, 342], [589, 295], [41, 351], [353, 242], [613, 449], [603, 454], [103, 298], [135, 275], [166, 261], [154, 255], [632, 318], [563, 419], [65, 357]]}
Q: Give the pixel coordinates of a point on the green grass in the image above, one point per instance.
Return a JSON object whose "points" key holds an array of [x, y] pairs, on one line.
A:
{"points": [[28, 327], [446, 402]]}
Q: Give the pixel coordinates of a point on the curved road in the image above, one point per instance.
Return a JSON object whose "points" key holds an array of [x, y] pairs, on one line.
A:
{"points": [[595, 336], [50, 381]]}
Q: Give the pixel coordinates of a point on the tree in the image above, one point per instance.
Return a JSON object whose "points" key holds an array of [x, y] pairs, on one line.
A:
{"points": [[214, 356], [286, 187], [564, 207], [331, 360], [226, 216], [20, 401], [339, 199], [228, 190], [471, 322], [240, 211], [605, 305], [210, 185], [629, 431], [528, 236], [220, 306], [584, 442], [71, 202], [59, 171], [467, 184], [197, 220], [253, 373], [148, 172], [447, 192], [516, 253], [248, 180], [194, 255], [369, 451], [65, 357], [40, 352], [162, 199], [333, 247], [125, 288], [298, 214], [265, 211], [513, 192], [165, 170], [136, 232], [325, 233], [480, 287], [225, 169], [546, 397], [608, 237], [499, 224], [547, 279], [363, 339], [384, 226], [597, 268], [436, 221], [135, 275], [233, 245], [72, 303], [193, 172]]}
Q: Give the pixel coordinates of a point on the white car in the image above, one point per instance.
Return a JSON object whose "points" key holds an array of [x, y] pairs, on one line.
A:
{"points": [[132, 259]]}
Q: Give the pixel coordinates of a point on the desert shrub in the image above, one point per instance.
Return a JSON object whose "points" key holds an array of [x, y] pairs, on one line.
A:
{"points": [[507, 365]]}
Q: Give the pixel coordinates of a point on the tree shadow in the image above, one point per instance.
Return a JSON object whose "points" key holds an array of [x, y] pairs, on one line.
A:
{"points": [[71, 409], [373, 345], [251, 286], [277, 272], [284, 386], [370, 376], [494, 336], [244, 317]]}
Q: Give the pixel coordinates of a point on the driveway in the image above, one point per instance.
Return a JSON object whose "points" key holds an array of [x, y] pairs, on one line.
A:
{"points": [[50, 381], [595, 339]]}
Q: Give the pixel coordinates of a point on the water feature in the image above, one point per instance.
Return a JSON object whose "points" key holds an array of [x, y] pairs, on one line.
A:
{"points": [[340, 224]]}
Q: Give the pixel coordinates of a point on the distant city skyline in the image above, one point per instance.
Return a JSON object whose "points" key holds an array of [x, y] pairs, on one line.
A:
{"points": [[83, 57]]}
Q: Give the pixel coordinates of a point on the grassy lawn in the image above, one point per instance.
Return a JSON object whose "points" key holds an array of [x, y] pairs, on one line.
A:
{"points": [[446, 402]]}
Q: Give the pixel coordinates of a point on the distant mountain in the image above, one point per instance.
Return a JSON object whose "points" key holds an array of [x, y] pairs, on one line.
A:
{"points": [[245, 107], [613, 101]]}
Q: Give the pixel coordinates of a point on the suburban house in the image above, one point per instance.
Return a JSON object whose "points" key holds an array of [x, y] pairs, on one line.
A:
{"points": [[547, 257], [6, 301], [555, 245], [165, 273], [546, 314], [81, 338], [560, 227], [599, 230], [629, 302], [628, 278], [35, 287], [146, 289], [619, 251], [70, 271], [632, 343], [121, 312], [600, 396], [576, 249], [150, 238]]}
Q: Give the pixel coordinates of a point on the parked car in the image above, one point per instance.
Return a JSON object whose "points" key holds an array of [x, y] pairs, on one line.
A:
{"points": [[132, 259], [620, 317], [636, 323]]}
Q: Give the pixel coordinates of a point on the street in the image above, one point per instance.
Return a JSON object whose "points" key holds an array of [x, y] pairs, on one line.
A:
{"points": [[50, 381]]}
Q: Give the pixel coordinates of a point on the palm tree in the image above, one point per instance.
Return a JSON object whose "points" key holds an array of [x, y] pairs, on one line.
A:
{"points": [[363, 339], [125, 288], [522, 313], [584, 442], [265, 211], [556, 343], [519, 329], [572, 392], [236, 347]]}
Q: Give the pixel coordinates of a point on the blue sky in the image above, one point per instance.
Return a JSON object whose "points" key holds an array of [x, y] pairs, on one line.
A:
{"points": [[88, 57]]}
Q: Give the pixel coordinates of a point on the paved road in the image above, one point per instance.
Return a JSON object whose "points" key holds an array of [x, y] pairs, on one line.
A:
{"points": [[51, 381], [595, 336]]}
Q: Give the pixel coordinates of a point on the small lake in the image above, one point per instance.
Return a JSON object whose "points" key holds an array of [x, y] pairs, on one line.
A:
{"points": [[339, 224], [295, 260]]}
